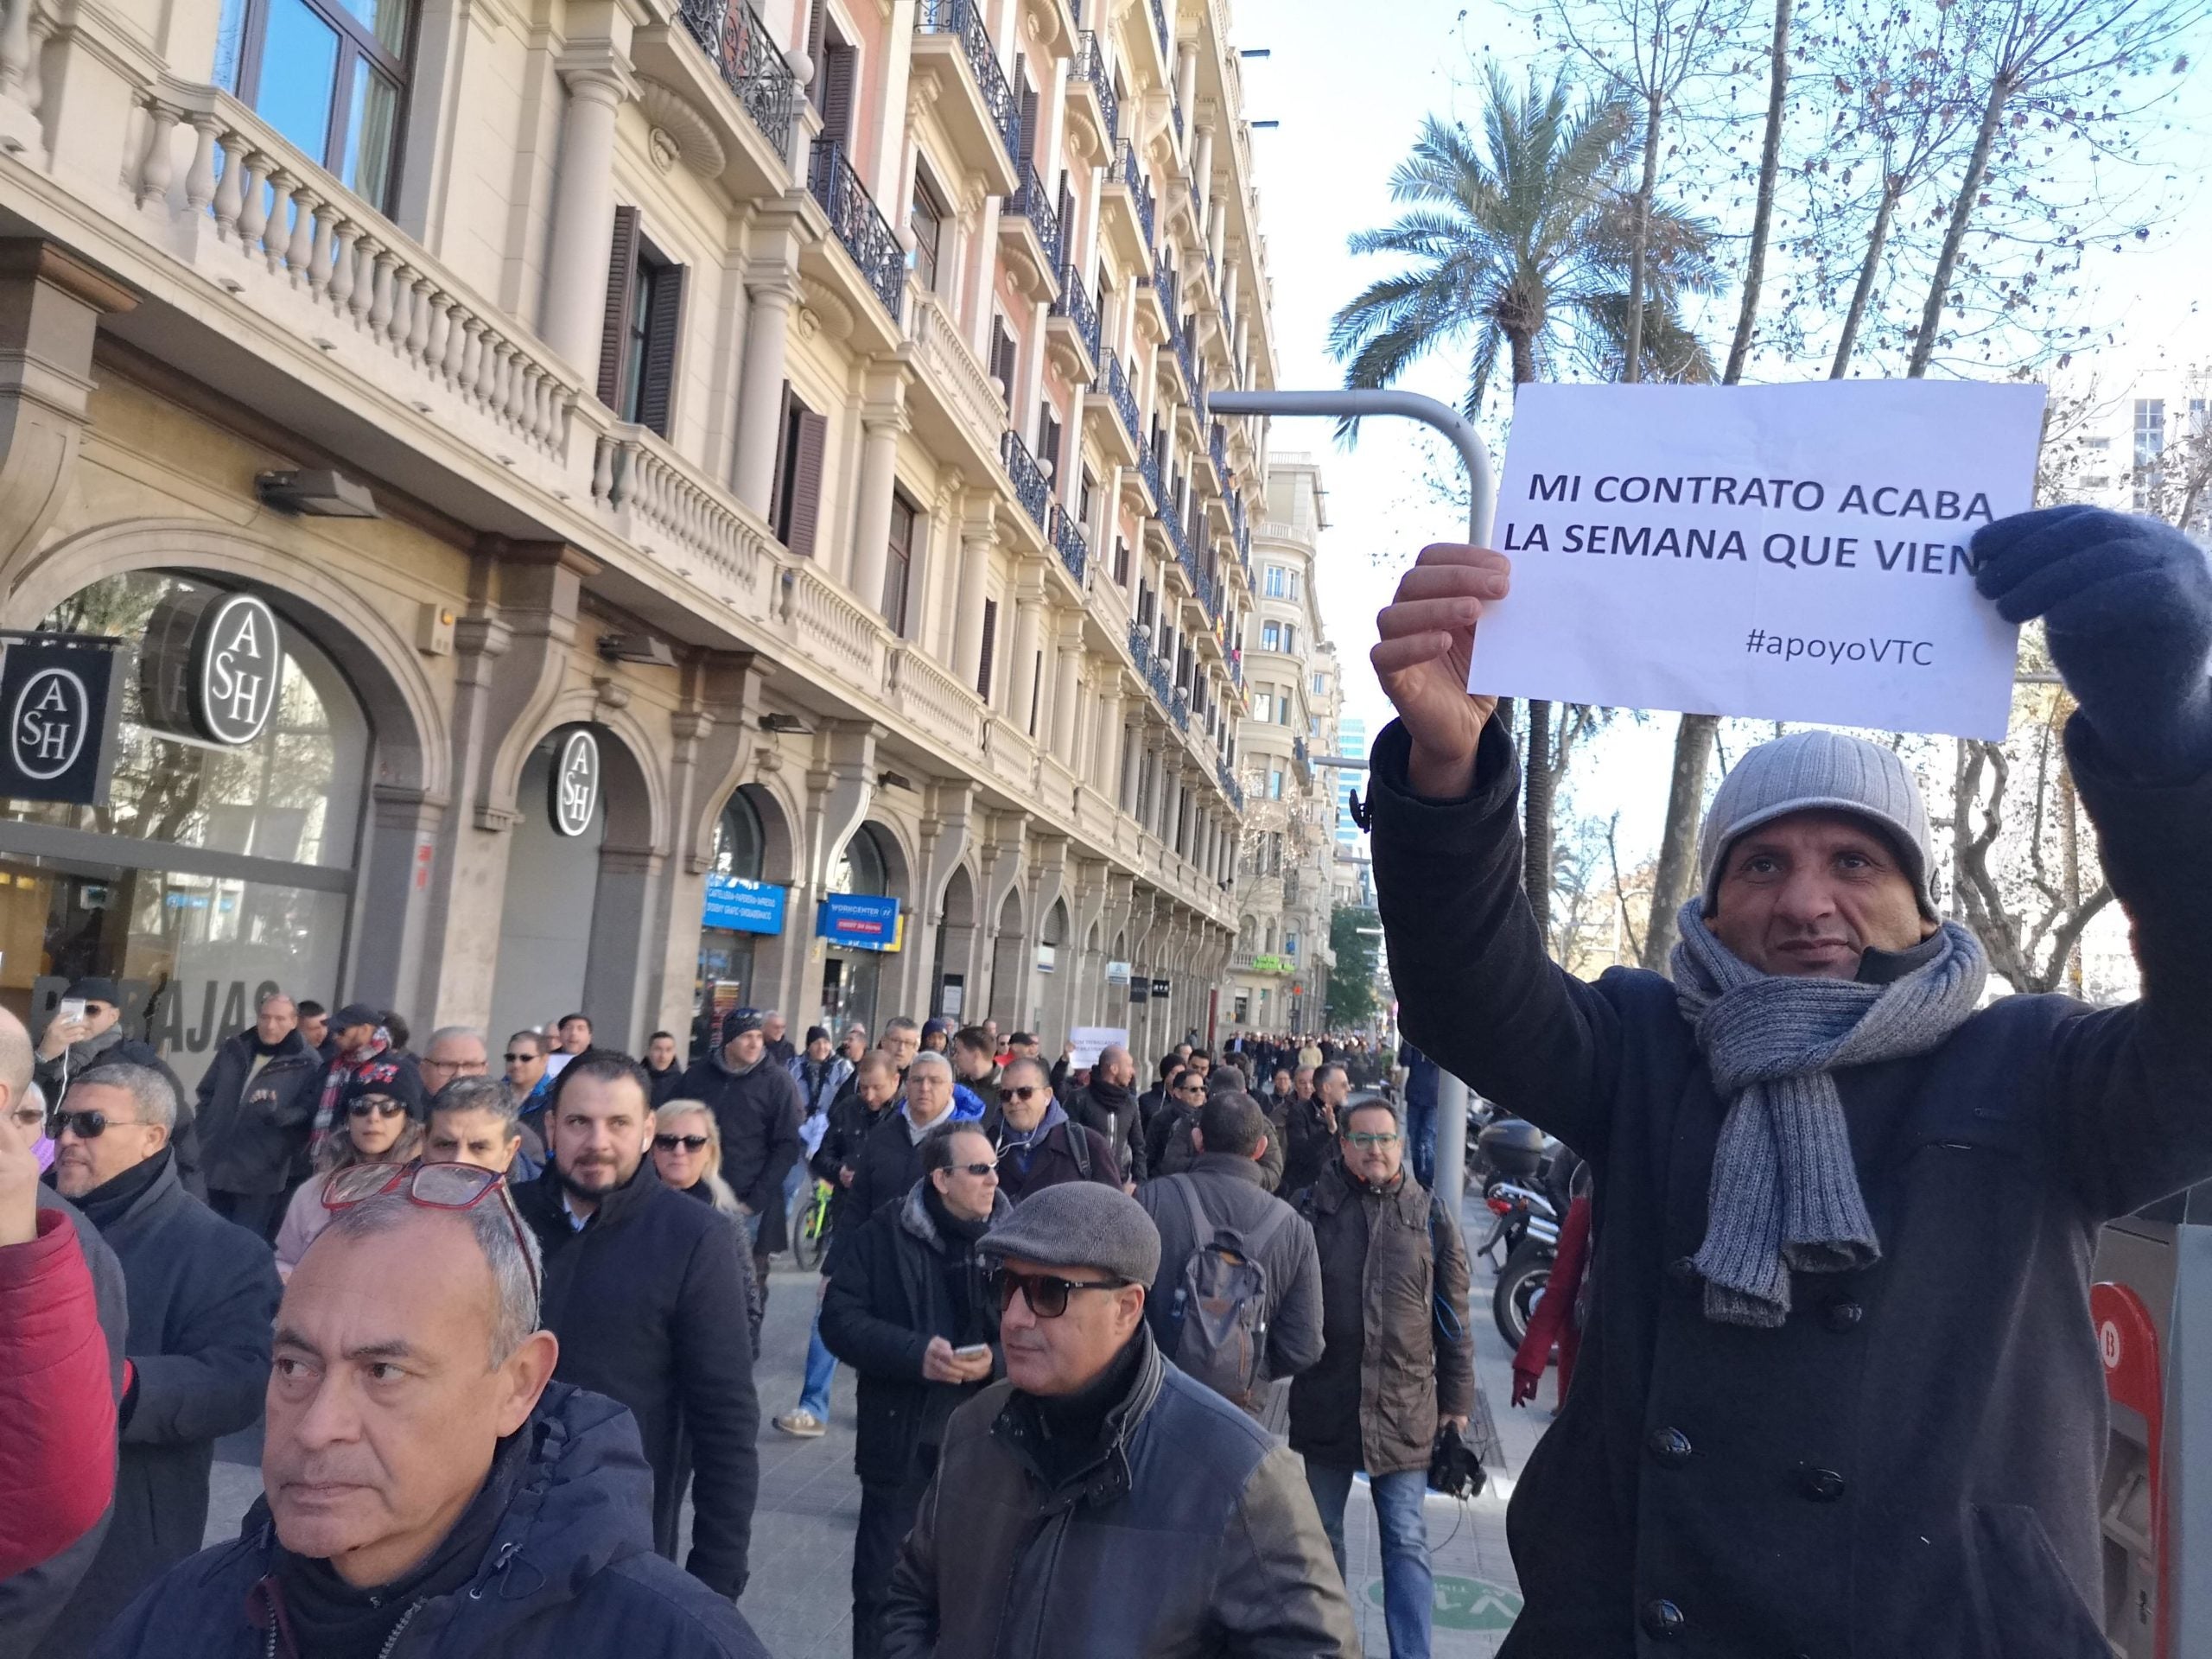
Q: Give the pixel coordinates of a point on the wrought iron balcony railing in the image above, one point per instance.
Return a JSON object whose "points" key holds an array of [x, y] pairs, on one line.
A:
{"points": [[1298, 754], [743, 52], [1125, 401], [1148, 469], [962, 18], [1140, 645], [1073, 303], [1030, 202], [854, 216], [1068, 541], [1229, 786], [1030, 487], [1181, 543], [1090, 66], [1178, 708], [1217, 447], [1140, 191], [1159, 24]]}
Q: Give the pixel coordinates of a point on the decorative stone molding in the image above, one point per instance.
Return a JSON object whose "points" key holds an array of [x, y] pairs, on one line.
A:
{"points": [[673, 119], [831, 314]]}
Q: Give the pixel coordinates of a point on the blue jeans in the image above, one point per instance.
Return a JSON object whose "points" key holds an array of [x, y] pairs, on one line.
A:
{"points": [[1421, 1137], [821, 1366], [1408, 1585]]}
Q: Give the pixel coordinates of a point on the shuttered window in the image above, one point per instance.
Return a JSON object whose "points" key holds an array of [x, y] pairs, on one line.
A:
{"points": [[1029, 157], [925, 218], [897, 568], [1036, 687], [1121, 563], [1003, 351], [990, 649], [839, 73], [795, 501], [640, 332], [1048, 444]]}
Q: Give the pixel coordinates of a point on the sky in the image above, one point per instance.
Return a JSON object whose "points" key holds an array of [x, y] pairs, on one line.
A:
{"points": [[1350, 86]]}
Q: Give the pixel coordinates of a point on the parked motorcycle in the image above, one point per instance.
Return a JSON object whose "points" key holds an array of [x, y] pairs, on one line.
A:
{"points": [[1520, 1286]]}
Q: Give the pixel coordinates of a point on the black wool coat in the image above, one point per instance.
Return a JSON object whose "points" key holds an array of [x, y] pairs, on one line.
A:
{"points": [[890, 1294], [758, 1115], [251, 1133], [889, 1163], [649, 1302], [201, 1295], [1910, 1465]]}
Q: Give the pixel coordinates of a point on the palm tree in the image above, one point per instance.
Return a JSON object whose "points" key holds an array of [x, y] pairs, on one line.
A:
{"points": [[1521, 244]]}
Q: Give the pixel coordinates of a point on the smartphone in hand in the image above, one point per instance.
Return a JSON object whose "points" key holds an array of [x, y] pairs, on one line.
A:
{"points": [[971, 1350]]}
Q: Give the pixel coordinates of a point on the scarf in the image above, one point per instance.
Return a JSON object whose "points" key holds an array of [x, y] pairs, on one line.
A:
{"points": [[1785, 1190], [106, 1203]]}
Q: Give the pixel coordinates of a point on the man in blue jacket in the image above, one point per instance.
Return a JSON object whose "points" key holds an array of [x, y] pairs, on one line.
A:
{"points": [[428, 1488], [1840, 1391]]}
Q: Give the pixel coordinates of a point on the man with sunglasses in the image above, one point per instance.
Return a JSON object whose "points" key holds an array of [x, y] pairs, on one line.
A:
{"points": [[200, 1294], [1037, 1144], [428, 1487], [643, 1288], [907, 1309], [1397, 1361], [1097, 1503]]}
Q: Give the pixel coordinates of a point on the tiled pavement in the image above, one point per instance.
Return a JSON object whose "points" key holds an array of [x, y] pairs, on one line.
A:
{"points": [[801, 1533]]}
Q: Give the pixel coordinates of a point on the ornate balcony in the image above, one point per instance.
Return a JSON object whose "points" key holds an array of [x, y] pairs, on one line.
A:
{"points": [[1092, 102], [1029, 231], [743, 52], [1109, 403], [1030, 487], [980, 110], [1073, 330], [1229, 786], [1068, 542], [858, 227], [1126, 208], [1178, 708]]}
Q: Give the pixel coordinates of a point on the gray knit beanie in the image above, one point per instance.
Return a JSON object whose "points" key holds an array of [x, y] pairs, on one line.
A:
{"points": [[1080, 1224], [1815, 771]]}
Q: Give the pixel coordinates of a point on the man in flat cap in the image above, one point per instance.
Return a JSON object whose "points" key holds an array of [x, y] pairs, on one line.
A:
{"points": [[1097, 1503]]}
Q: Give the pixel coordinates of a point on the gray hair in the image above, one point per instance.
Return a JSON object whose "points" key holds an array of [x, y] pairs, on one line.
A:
{"points": [[1023, 1063], [510, 1253], [274, 995], [930, 1060], [479, 1095], [468, 1033], [902, 1023], [149, 1088]]}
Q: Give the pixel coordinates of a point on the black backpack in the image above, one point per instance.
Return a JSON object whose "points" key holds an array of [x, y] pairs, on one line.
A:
{"points": [[1221, 1304]]}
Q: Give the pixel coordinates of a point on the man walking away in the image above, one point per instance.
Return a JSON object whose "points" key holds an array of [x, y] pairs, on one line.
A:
{"points": [[1397, 1362], [1097, 1503], [756, 1107], [1422, 1090], [257, 1105], [1039, 1146], [427, 1489], [1238, 1304], [643, 1288], [1107, 1103], [200, 1294], [908, 1312]]}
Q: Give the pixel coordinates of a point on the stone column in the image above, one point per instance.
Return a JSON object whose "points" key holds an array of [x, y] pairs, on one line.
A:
{"points": [[583, 214], [1201, 156], [760, 385], [976, 539], [1027, 684], [882, 424]]}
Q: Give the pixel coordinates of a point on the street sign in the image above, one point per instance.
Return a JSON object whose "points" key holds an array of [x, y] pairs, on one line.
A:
{"points": [[743, 906], [1160, 990], [858, 921]]}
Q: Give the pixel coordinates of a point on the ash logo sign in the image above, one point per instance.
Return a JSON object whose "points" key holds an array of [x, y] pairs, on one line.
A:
{"points": [[575, 782], [51, 717], [59, 694], [237, 660]]}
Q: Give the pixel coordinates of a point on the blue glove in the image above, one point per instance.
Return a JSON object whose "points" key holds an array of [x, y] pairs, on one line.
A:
{"points": [[2126, 606]]}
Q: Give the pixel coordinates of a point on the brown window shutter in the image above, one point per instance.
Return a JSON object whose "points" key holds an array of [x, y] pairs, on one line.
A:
{"points": [[776, 492], [899, 566], [839, 72], [990, 649], [621, 273], [1036, 687], [812, 433], [664, 323]]}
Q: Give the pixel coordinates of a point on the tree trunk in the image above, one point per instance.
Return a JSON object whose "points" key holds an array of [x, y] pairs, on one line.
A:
{"points": [[1670, 884], [1955, 235], [1537, 814], [1640, 255], [1761, 219], [1892, 188]]}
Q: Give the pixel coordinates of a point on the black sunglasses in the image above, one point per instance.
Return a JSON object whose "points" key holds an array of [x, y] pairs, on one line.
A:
{"points": [[512, 1059], [378, 1105], [671, 1142], [88, 1126], [1045, 1293], [1027, 1091]]}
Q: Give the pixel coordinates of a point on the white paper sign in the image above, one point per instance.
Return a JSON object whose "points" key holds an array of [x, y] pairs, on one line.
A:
{"points": [[1090, 1039], [1781, 552]]}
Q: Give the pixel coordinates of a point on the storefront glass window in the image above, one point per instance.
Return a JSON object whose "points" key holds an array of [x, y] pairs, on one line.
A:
{"points": [[726, 955]]}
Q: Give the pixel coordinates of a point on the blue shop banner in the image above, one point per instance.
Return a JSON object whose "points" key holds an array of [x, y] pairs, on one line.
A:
{"points": [[858, 921], [744, 906]]}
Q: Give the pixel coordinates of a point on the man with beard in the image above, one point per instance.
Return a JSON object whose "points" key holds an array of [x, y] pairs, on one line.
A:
{"points": [[757, 1109], [1107, 1103], [643, 1288]]}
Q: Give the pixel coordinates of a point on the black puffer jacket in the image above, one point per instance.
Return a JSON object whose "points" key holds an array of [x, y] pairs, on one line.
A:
{"points": [[1192, 1535], [758, 1114], [649, 1302], [891, 1293], [251, 1132], [1115, 1116], [570, 1570], [1908, 1465]]}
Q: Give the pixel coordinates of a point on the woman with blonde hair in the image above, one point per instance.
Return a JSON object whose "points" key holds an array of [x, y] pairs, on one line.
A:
{"points": [[381, 1120], [688, 1156]]}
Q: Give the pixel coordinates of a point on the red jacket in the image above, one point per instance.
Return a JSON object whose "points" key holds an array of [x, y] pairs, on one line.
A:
{"points": [[57, 1459], [1554, 1319]]}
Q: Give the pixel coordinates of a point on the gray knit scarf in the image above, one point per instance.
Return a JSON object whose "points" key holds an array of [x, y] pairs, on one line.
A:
{"points": [[1785, 1191]]}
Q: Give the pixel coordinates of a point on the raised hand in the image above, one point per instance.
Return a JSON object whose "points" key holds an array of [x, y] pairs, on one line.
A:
{"points": [[1428, 635]]}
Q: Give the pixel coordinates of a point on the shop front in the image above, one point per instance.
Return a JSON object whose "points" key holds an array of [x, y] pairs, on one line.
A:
{"points": [[859, 923], [216, 858], [741, 910]]}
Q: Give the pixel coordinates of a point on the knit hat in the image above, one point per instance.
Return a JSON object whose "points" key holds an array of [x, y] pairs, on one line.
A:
{"points": [[1818, 771], [816, 1034], [394, 1080], [738, 1021], [96, 988], [1080, 1224]]}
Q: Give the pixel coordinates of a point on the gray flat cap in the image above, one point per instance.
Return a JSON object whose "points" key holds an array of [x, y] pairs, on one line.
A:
{"points": [[1081, 1225]]}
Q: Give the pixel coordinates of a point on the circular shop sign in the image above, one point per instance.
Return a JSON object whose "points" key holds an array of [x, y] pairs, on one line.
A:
{"points": [[53, 713], [574, 782], [237, 662]]}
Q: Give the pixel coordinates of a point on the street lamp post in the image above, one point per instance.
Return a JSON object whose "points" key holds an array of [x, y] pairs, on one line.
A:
{"points": [[1482, 500]]}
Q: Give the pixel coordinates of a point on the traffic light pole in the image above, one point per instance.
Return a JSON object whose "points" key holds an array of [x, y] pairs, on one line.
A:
{"points": [[1482, 500]]}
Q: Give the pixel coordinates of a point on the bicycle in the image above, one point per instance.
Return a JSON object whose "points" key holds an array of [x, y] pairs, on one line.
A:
{"points": [[811, 1226]]}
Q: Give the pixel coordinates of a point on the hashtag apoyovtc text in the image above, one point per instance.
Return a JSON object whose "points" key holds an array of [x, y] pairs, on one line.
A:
{"points": [[1790, 647]]}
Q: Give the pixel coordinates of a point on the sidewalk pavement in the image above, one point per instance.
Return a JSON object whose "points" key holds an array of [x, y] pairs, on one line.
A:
{"points": [[800, 1597]]}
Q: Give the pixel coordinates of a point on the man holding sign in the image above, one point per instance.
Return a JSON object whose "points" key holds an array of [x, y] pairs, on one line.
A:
{"points": [[1839, 1393]]}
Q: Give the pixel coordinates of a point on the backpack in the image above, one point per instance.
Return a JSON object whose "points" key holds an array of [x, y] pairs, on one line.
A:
{"points": [[1220, 1309]]}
